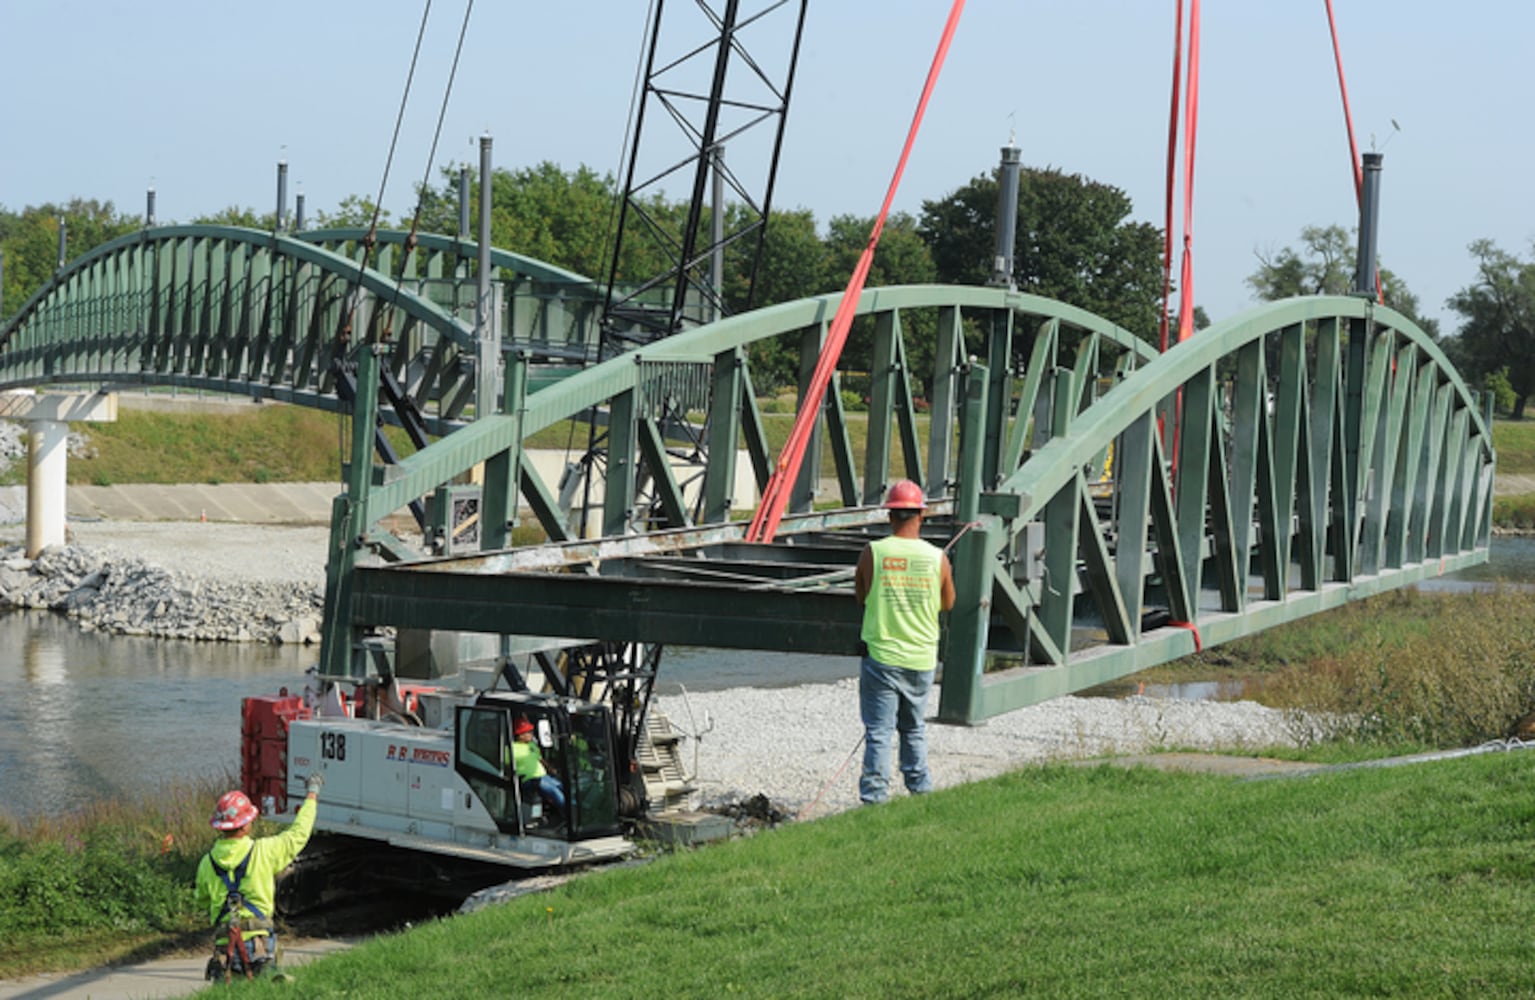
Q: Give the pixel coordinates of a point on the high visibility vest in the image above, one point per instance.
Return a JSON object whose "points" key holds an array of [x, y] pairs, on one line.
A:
{"points": [[900, 613], [526, 761]]}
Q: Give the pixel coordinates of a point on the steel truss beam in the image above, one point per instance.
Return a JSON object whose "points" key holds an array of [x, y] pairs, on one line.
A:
{"points": [[1092, 539], [1112, 507]]}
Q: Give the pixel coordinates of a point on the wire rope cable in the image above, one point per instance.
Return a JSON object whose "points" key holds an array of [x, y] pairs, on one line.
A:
{"points": [[431, 157], [372, 237]]}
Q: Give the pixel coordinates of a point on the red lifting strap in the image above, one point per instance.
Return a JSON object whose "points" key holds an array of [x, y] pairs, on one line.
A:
{"points": [[1348, 122], [1190, 94], [775, 497], [1198, 646]]}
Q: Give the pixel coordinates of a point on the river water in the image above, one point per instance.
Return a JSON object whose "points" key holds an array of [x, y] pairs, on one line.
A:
{"points": [[86, 717]]}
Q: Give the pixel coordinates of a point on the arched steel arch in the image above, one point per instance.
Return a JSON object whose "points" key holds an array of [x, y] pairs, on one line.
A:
{"points": [[1326, 450], [546, 311], [717, 357], [236, 311], [1295, 457], [1056, 351]]}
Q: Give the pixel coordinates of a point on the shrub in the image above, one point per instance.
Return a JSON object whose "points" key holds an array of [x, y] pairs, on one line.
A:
{"points": [[1503, 394], [1452, 679]]}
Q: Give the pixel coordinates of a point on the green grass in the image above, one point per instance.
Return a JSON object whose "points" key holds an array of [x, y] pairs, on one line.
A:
{"points": [[1053, 882], [1515, 442], [273, 443], [112, 882]]}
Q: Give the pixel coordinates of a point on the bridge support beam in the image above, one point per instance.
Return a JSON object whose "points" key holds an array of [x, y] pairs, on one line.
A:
{"points": [[964, 654], [47, 419]]}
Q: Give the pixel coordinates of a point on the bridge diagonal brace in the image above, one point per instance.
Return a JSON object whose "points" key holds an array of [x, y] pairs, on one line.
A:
{"points": [[1099, 569], [668, 493], [1016, 609], [1164, 523]]}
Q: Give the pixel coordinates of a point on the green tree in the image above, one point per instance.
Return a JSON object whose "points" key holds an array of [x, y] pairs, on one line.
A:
{"points": [[356, 212], [560, 217], [29, 240], [237, 215], [1324, 265], [1499, 329], [902, 258], [1074, 244], [792, 266]]}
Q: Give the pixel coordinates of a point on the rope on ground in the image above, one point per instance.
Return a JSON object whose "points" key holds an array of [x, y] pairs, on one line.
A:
{"points": [[813, 802]]}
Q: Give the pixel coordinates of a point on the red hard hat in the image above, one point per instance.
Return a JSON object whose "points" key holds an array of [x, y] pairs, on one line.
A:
{"points": [[521, 726], [905, 495], [234, 811]]}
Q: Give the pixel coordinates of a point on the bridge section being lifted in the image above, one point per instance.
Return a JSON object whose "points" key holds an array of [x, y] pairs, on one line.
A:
{"points": [[1109, 508]]}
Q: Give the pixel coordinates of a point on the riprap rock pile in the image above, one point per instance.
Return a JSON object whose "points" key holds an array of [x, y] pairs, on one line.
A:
{"points": [[111, 592]]}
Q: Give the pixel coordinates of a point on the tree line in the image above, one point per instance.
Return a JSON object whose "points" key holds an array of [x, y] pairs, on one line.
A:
{"points": [[1075, 243]]}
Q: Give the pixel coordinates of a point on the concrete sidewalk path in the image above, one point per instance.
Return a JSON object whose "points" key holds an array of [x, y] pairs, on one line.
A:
{"points": [[242, 503], [166, 977]]}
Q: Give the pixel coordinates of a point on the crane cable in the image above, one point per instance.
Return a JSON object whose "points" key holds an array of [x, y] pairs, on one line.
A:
{"points": [[1353, 144], [372, 237], [426, 173], [1172, 178], [775, 496], [344, 334]]}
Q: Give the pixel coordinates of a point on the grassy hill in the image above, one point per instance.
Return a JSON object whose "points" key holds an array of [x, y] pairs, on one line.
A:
{"points": [[1411, 881]]}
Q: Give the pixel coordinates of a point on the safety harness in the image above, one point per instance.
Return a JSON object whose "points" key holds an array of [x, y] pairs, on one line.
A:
{"points": [[235, 954]]}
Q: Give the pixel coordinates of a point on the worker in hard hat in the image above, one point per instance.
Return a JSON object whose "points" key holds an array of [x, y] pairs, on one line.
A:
{"points": [[237, 881], [902, 583], [529, 765]]}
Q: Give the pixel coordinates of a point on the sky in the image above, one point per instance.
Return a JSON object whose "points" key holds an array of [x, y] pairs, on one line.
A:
{"points": [[105, 99]]}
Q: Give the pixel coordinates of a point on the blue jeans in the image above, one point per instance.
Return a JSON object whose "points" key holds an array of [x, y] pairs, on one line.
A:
{"points": [[548, 788], [553, 792], [892, 699]]}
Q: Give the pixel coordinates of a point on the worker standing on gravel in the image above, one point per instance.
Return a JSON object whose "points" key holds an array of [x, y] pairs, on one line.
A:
{"points": [[237, 881], [902, 583]]}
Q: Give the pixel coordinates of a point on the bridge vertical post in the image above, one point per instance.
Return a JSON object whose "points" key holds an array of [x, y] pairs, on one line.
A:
{"points": [[498, 502], [618, 488], [1346, 520], [1000, 344], [724, 429], [350, 522], [964, 660], [802, 497], [486, 316], [282, 196], [884, 369], [998, 360]]}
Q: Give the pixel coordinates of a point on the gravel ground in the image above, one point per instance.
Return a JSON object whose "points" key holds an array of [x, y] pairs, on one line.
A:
{"points": [[795, 745]]}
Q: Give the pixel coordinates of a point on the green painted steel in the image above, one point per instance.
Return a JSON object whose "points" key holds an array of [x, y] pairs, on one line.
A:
{"points": [[1109, 508], [546, 311], [1276, 496], [235, 311]]}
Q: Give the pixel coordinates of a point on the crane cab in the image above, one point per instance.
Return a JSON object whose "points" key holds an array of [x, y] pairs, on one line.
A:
{"points": [[453, 788]]}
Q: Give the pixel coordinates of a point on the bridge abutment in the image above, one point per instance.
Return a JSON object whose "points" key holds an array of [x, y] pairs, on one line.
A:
{"points": [[47, 419]]}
